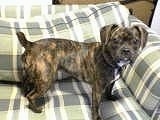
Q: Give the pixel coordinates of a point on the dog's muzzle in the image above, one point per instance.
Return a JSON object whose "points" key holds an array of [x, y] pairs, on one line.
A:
{"points": [[125, 55]]}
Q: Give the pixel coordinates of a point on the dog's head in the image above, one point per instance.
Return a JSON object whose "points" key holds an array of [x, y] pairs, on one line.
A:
{"points": [[122, 43]]}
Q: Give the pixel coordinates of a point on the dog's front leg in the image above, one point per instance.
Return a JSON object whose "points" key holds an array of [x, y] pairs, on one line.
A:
{"points": [[94, 105], [96, 99], [108, 92]]}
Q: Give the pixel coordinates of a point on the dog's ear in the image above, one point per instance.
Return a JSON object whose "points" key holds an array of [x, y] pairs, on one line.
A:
{"points": [[106, 32], [105, 35], [141, 33]]}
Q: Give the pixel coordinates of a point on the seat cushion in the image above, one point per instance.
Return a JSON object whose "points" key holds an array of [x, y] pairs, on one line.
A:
{"points": [[68, 99], [124, 108]]}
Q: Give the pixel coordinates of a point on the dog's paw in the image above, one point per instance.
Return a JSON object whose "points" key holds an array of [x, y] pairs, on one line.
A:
{"points": [[96, 118], [35, 109], [110, 97], [99, 118], [113, 98]]}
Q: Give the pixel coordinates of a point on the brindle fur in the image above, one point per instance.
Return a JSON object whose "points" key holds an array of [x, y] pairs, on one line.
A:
{"points": [[92, 62]]}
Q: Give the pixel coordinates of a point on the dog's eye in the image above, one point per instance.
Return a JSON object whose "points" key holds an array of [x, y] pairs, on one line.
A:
{"points": [[135, 41], [116, 40]]}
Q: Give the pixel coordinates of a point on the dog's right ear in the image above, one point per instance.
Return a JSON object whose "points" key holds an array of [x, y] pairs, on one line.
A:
{"points": [[141, 33], [106, 32]]}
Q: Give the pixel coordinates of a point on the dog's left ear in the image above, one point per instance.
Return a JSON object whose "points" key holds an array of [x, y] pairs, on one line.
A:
{"points": [[106, 32], [141, 33]]}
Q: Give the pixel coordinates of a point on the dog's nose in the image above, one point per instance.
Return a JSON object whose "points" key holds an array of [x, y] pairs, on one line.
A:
{"points": [[126, 51]]}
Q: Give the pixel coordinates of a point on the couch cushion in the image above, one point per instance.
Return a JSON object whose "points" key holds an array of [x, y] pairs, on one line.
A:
{"points": [[68, 100], [125, 107], [156, 113], [82, 25], [26, 12], [143, 78]]}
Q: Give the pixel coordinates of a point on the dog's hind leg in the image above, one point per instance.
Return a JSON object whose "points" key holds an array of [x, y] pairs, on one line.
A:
{"points": [[32, 97]]}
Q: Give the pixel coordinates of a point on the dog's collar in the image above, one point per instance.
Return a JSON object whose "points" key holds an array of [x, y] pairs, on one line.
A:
{"points": [[116, 74], [118, 69], [123, 63]]}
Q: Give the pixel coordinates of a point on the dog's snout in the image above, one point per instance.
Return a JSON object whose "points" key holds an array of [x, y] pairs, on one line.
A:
{"points": [[125, 51]]}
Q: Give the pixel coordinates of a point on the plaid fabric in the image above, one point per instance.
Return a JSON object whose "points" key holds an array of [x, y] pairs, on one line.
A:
{"points": [[83, 25], [125, 107], [143, 78], [138, 95], [26, 12], [156, 114], [68, 100]]}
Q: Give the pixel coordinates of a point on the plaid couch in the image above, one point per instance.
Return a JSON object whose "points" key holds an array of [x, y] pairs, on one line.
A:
{"points": [[138, 89]]}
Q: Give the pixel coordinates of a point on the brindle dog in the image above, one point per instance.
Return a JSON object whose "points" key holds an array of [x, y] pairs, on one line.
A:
{"points": [[94, 63]]}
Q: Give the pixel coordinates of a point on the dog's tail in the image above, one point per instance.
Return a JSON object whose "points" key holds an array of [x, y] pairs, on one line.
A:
{"points": [[22, 39]]}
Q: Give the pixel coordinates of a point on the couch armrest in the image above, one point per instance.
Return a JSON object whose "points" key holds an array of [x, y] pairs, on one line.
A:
{"points": [[143, 78], [156, 114]]}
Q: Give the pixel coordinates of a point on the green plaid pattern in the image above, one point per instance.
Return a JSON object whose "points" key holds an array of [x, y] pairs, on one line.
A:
{"points": [[68, 100], [83, 26], [138, 92], [156, 114], [26, 12], [125, 107], [71, 99], [143, 78]]}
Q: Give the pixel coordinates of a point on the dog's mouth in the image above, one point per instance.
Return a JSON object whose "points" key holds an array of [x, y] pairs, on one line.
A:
{"points": [[125, 58], [124, 55], [123, 61]]}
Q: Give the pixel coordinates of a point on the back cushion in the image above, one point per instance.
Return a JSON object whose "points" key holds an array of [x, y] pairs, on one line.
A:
{"points": [[143, 78], [81, 25]]}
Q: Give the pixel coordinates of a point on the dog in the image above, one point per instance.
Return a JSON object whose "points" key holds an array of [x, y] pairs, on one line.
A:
{"points": [[94, 63]]}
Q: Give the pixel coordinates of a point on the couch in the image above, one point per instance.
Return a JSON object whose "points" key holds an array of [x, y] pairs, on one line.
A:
{"points": [[137, 90], [142, 9]]}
